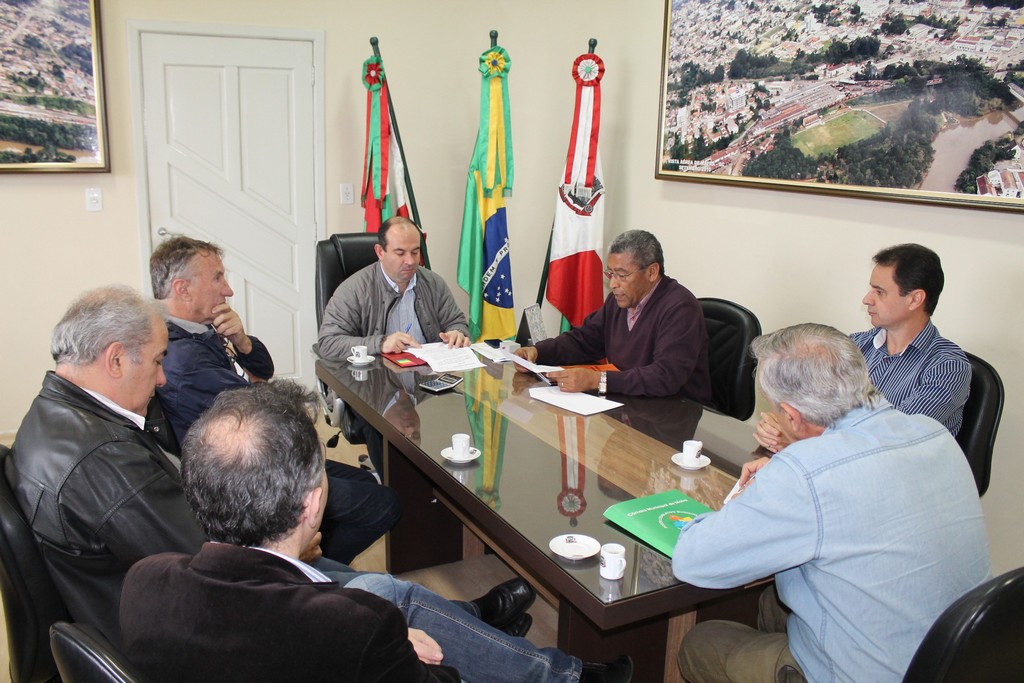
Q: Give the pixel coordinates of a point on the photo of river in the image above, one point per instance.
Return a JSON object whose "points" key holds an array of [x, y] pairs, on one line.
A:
{"points": [[954, 146]]}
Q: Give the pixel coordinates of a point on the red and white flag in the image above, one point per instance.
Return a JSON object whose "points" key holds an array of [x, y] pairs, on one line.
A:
{"points": [[575, 285]]}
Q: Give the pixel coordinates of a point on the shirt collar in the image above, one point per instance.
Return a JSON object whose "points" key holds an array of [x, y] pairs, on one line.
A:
{"points": [[923, 338], [392, 284], [139, 420], [643, 302], [311, 573], [187, 325]]}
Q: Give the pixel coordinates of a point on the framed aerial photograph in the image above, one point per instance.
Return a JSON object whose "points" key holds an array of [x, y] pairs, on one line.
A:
{"points": [[919, 102], [51, 87]]}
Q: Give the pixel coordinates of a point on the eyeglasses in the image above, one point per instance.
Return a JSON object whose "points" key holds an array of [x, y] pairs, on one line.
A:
{"points": [[612, 275]]}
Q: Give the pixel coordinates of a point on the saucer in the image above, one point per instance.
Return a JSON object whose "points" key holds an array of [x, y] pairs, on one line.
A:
{"points": [[574, 546], [355, 361], [474, 453], [702, 462]]}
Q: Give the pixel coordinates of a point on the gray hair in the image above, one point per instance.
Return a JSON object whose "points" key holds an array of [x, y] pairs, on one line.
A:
{"points": [[250, 460], [97, 319], [814, 368], [641, 246], [173, 259]]}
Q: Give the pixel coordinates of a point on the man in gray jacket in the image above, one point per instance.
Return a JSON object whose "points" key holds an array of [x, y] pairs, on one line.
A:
{"points": [[394, 304]]}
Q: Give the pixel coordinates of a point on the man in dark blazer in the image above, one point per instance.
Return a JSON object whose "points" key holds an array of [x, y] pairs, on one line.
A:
{"points": [[246, 608]]}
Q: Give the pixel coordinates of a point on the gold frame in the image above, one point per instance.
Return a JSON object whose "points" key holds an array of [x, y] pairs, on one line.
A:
{"points": [[91, 111], [880, 193]]}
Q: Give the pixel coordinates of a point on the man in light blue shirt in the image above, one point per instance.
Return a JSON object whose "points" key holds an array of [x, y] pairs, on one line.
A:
{"points": [[869, 521]]}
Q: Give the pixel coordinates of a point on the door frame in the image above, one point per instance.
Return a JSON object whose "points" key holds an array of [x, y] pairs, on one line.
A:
{"points": [[136, 29]]}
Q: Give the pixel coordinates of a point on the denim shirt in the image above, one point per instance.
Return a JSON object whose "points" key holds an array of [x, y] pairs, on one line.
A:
{"points": [[871, 529]]}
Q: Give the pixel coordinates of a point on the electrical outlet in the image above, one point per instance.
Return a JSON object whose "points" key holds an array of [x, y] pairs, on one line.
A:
{"points": [[93, 199], [348, 193]]}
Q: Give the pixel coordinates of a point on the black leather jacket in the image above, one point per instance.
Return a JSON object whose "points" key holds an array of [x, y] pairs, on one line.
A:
{"points": [[99, 495]]}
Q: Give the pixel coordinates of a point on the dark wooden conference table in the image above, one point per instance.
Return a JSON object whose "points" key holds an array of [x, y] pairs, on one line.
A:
{"points": [[545, 472]]}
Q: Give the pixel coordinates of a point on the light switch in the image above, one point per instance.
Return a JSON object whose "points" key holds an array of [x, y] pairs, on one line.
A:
{"points": [[93, 199], [348, 193]]}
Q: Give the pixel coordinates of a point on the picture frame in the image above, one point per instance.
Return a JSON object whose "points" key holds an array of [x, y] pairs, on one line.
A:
{"points": [[52, 115], [847, 97]]}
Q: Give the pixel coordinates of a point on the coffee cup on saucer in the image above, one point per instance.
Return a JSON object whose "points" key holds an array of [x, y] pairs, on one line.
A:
{"points": [[359, 354], [691, 453], [460, 446]]}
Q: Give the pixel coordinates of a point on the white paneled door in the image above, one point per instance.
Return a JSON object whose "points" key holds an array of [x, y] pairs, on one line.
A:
{"points": [[230, 127]]}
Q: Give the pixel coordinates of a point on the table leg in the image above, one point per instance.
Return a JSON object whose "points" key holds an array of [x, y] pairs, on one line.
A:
{"points": [[428, 534], [645, 642]]}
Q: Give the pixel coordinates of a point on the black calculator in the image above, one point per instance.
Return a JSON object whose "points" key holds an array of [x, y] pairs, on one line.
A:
{"points": [[441, 383]]}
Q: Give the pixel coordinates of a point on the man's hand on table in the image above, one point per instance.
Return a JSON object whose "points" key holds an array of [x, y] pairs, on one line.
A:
{"points": [[527, 353], [769, 435], [747, 475], [454, 339], [575, 379], [398, 342]]}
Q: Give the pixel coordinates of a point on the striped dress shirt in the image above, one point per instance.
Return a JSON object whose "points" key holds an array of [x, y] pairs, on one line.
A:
{"points": [[932, 376]]}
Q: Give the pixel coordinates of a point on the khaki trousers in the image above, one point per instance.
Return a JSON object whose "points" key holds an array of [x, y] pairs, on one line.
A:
{"points": [[728, 652]]}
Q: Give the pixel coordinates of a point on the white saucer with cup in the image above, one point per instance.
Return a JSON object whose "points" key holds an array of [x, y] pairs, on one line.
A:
{"points": [[460, 451], [360, 356], [613, 561], [691, 458]]}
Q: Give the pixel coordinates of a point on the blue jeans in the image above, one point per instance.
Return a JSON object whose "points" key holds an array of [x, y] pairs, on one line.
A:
{"points": [[482, 654], [358, 511]]}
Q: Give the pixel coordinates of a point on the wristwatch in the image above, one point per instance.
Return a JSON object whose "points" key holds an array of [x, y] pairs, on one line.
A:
{"points": [[602, 384]]}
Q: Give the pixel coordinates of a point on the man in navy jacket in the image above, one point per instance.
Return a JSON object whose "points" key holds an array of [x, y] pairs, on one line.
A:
{"points": [[209, 352]]}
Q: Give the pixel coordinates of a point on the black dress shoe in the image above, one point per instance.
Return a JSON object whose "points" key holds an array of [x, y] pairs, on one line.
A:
{"points": [[518, 628], [505, 602], [616, 671]]}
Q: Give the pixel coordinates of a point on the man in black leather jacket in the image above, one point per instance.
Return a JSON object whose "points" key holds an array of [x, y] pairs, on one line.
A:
{"points": [[98, 490]]}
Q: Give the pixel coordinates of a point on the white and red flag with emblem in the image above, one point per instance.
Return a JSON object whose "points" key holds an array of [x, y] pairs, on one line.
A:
{"points": [[575, 285]]}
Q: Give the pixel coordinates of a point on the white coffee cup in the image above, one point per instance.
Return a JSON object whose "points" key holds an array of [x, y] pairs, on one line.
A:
{"points": [[359, 353], [613, 561], [361, 375], [691, 453], [460, 446]]}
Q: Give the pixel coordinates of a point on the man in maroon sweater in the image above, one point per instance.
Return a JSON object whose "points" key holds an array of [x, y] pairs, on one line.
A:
{"points": [[650, 327]]}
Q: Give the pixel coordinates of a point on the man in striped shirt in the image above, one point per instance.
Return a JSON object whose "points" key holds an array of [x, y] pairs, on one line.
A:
{"points": [[916, 369]]}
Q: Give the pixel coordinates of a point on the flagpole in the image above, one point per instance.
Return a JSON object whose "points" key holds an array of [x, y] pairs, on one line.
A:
{"points": [[401, 151]]}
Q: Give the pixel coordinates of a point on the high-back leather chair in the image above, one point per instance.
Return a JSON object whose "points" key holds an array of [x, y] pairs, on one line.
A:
{"points": [[731, 328], [977, 638], [982, 412], [83, 655], [338, 257], [31, 600]]}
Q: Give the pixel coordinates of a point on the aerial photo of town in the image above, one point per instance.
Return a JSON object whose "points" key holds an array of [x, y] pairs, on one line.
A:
{"points": [[878, 93], [47, 87]]}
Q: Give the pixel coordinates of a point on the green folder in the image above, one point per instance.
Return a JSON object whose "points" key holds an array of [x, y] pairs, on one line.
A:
{"points": [[656, 519]]}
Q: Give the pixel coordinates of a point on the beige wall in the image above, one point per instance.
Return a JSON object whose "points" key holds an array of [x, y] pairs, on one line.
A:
{"points": [[789, 257]]}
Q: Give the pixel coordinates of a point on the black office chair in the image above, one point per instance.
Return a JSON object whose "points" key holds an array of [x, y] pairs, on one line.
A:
{"points": [[982, 412], [83, 655], [731, 328], [31, 600], [977, 638], [338, 257]]}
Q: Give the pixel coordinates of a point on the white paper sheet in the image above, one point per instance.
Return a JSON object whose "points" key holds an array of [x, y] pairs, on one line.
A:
{"points": [[442, 359], [584, 404], [537, 370], [490, 353]]}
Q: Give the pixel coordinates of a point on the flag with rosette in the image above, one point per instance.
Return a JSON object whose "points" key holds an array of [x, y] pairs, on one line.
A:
{"points": [[383, 190], [484, 270], [574, 281]]}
